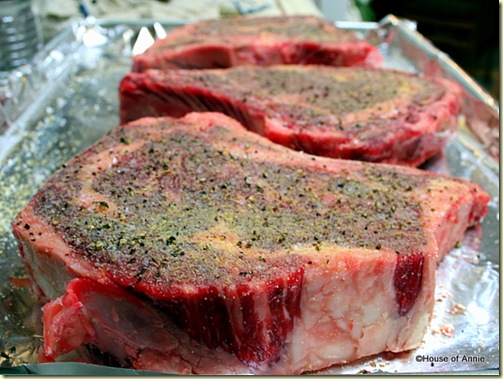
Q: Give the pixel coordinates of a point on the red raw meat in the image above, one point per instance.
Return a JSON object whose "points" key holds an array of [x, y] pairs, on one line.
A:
{"points": [[362, 114], [192, 245], [259, 41]]}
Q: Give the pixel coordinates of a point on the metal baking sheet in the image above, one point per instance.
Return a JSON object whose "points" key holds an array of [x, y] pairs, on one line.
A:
{"points": [[68, 98]]}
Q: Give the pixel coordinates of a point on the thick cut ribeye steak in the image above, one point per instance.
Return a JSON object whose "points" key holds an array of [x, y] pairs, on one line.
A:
{"points": [[193, 245], [258, 41], [362, 114]]}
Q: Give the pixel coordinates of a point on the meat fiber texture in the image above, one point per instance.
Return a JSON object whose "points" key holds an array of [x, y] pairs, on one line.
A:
{"points": [[372, 115], [260, 41], [195, 246]]}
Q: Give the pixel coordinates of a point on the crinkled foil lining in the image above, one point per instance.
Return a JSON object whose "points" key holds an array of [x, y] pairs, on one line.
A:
{"points": [[68, 98]]}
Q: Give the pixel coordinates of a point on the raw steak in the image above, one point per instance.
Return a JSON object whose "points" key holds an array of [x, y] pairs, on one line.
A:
{"points": [[192, 245], [361, 114], [258, 41]]}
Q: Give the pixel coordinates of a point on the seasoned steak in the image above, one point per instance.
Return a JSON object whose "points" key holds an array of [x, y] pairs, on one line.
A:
{"points": [[193, 245], [258, 41], [361, 114]]}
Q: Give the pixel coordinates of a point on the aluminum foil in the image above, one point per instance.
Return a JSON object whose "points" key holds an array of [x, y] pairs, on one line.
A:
{"points": [[67, 99]]}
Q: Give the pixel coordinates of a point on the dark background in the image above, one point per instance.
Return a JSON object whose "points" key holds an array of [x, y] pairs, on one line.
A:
{"points": [[467, 30]]}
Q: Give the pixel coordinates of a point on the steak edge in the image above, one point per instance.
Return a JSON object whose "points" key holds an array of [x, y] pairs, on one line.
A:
{"points": [[373, 115], [258, 41], [194, 246]]}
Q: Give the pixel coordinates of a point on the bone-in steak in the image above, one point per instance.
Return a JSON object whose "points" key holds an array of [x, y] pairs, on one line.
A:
{"points": [[193, 245], [259, 41], [363, 114]]}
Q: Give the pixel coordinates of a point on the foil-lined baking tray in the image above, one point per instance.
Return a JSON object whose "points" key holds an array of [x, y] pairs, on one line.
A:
{"points": [[68, 98]]}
